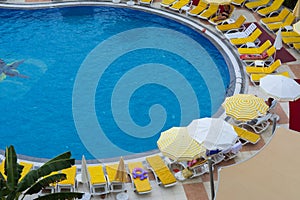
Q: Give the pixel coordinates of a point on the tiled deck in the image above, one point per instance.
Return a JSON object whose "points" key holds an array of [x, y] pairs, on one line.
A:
{"points": [[199, 188]]}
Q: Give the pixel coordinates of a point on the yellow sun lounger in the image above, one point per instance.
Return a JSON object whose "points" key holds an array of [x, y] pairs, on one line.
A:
{"points": [[162, 173], [246, 136], [257, 77], [216, 21], [167, 3], [296, 46], [111, 171], [255, 5], [279, 18], [97, 182], [238, 25], [251, 38], [264, 70], [270, 10], [26, 168], [290, 40], [267, 59], [256, 50], [179, 4], [210, 12], [140, 186], [69, 183], [289, 20], [289, 34], [198, 9], [238, 2]]}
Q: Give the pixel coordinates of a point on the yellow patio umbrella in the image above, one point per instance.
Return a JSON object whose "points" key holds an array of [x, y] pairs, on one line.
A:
{"points": [[121, 174], [244, 107], [220, 2], [177, 144]]}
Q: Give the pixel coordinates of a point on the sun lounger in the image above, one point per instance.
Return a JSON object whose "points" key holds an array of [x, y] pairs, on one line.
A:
{"points": [[246, 136], [289, 20], [290, 40], [256, 50], [26, 168], [198, 9], [270, 10], [297, 46], [162, 173], [238, 25], [69, 183], [210, 12], [289, 34], [256, 77], [255, 5], [97, 180], [167, 3], [179, 4], [197, 167], [243, 41], [248, 31], [259, 124], [140, 185], [264, 70], [279, 18], [266, 57], [239, 2], [114, 185], [215, 20]]}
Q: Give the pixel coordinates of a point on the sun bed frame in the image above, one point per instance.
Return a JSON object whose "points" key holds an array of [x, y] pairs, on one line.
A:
{"points": [[162, 173]]}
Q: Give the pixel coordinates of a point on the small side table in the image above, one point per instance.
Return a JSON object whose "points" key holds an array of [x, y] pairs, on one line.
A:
{"points": [[250, 44], [259, 63], [185, 9], [288, 28]]}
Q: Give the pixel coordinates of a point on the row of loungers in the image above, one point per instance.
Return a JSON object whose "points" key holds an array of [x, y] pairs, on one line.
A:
{"points": [[101, 179]]}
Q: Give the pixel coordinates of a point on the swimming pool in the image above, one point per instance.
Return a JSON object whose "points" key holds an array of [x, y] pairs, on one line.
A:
{"points": [[104, 81]]}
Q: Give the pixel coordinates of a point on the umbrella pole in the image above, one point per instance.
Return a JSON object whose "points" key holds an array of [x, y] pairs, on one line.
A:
{"points": [[211, 176]]}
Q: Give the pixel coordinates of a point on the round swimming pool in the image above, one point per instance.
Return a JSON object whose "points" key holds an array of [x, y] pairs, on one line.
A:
{"points": [[103, 81]]}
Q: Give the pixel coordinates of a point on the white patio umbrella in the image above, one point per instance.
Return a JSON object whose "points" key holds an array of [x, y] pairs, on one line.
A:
{"points": [[278, 40], [214, 133], [84, 171], [296, 10], [280, 87]]}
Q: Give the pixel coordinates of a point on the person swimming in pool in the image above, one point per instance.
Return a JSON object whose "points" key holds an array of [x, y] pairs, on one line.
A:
{"points": [[11, 69]]}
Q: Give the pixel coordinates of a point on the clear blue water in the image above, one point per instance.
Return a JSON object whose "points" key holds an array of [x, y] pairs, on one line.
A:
{"points": [[103, 81]]}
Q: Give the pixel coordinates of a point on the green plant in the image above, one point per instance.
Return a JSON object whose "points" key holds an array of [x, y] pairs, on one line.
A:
{"points": [[12, 187]]}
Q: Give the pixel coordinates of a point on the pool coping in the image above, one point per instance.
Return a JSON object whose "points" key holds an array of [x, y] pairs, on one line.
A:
{"points": [[238, 81]]}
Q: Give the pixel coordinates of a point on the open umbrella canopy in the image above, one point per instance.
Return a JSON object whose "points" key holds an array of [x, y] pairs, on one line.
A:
{"points": [[177, 144], [220, 2], [244, 107], [121, 174], [214, 133], [280, 87], [84, 171], [278, 40]]}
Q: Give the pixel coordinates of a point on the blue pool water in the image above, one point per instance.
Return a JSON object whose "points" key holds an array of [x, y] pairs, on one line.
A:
{"points": [[103, 81]]}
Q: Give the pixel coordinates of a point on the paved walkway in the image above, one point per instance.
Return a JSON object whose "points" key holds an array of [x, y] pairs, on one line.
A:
{"points": [[199, 188]]}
